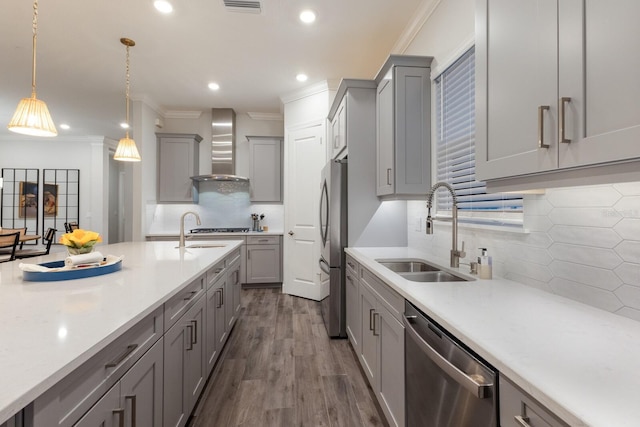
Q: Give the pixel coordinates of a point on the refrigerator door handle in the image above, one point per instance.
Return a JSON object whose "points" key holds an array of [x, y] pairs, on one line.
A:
{"points": [[324, 203], [324, 266]]}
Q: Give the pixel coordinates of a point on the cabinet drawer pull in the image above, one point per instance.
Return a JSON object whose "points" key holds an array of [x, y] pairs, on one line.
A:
{"points": [[388, 176], [374, 323], [195, 331], [371, 311], [191, 294], [219, 293], [133, 409], [349, 278], [190, 328], [350, 264], [120, 413], [118, 360], [263, 240], [218, 270], [561, 114], [541, 110], [523, 421]]}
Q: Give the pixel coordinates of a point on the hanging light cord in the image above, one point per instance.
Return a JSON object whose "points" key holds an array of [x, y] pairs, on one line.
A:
{"points": [[35, 36]]}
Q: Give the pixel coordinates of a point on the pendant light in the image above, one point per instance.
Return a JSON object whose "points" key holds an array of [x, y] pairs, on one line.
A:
{"points": [[32, 115], [127, 150]]}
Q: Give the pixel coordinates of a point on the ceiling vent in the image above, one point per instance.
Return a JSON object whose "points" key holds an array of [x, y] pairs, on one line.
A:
{"points": [[246, 6]]}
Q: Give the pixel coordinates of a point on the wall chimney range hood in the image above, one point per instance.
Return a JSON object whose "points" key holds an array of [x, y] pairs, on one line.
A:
{"points": [[223, 147]]}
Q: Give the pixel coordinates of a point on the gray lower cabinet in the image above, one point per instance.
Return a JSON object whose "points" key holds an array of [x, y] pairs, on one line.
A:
{"points": [[185, 365], [354, 321], [264, 259], [518, 409], [382, 346], [403, 140], [136, 400], [215, 335]]}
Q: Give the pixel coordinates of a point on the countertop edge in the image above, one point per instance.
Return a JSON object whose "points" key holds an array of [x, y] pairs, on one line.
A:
{"points": [[569, 415], [11, 408]]}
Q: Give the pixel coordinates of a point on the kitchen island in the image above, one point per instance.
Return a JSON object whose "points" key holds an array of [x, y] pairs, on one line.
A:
{"points": [[581, 363], [49, 329]]}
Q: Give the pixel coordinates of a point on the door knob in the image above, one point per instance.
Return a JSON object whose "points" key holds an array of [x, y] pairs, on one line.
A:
{"points": [[290, 233]]}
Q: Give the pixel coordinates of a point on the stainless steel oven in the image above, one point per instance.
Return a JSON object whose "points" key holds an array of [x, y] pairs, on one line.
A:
{"points": [[447, 385]]}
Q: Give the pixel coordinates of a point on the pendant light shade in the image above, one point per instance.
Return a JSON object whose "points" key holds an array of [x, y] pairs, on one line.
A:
{"points": [[32, 118], [32, 115], [127, 150]]}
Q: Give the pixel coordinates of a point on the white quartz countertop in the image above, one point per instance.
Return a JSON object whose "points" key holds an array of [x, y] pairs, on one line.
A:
{"points": [[580, 362], [48, 329], [188, 235]]}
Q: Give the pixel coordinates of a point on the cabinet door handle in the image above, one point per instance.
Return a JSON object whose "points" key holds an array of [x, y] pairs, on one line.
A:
{"points": [[195, 331], [371, 312], [190, 328], [561, 114], [248, 253], [191, 294], [541, 110], [118, 360], [133, 409], [222, 295], [375, 315], [219, 293], [120, 413], [388, 176], [523, 421]]}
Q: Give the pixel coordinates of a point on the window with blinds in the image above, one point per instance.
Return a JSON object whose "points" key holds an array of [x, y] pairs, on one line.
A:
{"points": [[455, 150]]}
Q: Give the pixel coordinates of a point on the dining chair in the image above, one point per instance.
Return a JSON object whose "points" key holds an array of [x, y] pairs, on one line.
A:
{"points": [[9, 242], [70, 226], [49, 237], [22, 231]]}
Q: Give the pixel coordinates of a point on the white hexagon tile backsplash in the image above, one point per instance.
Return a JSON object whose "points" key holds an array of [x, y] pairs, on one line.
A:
{"points": [[580, 242]]}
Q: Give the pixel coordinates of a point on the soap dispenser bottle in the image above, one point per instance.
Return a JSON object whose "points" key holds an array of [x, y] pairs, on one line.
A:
{"points": [[484, 264]]}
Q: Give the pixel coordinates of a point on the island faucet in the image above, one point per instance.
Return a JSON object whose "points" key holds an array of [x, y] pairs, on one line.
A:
{"points": [[181, 244], [455, 253]]}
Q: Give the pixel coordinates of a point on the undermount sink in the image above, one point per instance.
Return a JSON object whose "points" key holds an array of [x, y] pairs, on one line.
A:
{"points": [[419, 271], [203, 246], [432, 276]]}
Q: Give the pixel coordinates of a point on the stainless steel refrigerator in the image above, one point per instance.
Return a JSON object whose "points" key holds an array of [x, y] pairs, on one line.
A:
{"points": [[333, 237]]}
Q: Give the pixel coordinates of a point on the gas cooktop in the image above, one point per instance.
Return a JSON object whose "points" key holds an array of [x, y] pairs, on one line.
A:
{"points": [[220, 230]]}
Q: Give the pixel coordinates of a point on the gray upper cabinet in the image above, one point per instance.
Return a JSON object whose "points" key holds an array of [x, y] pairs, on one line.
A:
{"points": [[561, 91], [178, 156], [338, 130], [403, 117], [265, 164]]}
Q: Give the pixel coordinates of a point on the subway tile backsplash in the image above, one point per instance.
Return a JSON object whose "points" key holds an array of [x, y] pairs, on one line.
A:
{"points": [[581, 242]]}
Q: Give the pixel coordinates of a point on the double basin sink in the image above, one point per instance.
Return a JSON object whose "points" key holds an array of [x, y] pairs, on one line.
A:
{"points": [[420, 271]]}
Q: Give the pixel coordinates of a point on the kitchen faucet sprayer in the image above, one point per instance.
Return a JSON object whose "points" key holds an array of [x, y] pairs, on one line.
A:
{"points": [[181, 244], [455, 253]]}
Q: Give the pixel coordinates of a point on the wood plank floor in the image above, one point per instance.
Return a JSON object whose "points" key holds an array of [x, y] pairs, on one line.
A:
{"points": [[280, 368]]}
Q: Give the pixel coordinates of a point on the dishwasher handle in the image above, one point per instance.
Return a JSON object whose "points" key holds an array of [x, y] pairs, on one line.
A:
{"points": [[481, 391]]}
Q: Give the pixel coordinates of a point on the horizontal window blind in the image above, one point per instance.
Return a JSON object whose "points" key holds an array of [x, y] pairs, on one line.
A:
{"points": [[455, 146]]}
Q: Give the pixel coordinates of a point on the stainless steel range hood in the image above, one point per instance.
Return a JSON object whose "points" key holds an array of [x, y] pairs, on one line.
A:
{"points": [[223, 147]]}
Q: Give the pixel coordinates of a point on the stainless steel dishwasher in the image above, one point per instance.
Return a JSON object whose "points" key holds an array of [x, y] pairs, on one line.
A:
{"points": [[446, 384]]}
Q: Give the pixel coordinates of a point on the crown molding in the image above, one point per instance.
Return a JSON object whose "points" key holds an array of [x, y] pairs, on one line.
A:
{"points": [[265, 116], [147, 100], [422, 14], [182, 114], [305, 92]]}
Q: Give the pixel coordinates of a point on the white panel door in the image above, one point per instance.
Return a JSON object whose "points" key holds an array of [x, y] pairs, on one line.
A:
{"points": [[305, 158]]}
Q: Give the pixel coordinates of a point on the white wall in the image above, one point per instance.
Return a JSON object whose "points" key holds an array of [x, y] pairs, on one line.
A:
{"points": [[582, 242], [88, 154]]}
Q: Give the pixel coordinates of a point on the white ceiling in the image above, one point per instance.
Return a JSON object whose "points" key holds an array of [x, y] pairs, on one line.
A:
{"points": [[254, 57]]}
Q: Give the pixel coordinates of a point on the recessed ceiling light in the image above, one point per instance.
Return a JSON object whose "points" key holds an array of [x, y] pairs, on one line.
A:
{"points": [[163, 6], [214, 86], [124, 125], [302, 77], [64, 126], [307, 16]]}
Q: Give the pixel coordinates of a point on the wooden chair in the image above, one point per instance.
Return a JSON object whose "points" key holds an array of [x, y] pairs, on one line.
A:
{"points": [[9, 242], [22, 231], [49, 237], [70, 226]]}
